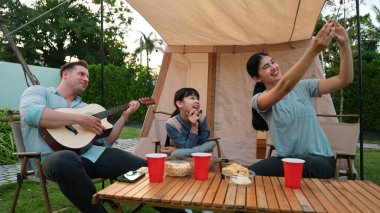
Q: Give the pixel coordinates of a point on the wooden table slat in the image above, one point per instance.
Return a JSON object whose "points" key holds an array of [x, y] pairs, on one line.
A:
{"points": [[197, 200], [128, 187], [229, 201], [166, 189], [292, 199], [283, 203], [348, 204], [262, 203], [209, 197], [306, 206], [220, 194], [357, 195], [373, 185], [364, 192], [135, 190], [266, 194], [369, 188], [177, 198], [143, 191], [320, 196], [241, 196], [317, 206], [251, 197], [350, 197], [111, 190], [338, 205], [160, 186], [191, 192], [271, 196], [170, 194]]}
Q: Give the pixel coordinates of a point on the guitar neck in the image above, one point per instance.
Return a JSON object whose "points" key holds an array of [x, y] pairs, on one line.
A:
{"points": [[111, 111]]}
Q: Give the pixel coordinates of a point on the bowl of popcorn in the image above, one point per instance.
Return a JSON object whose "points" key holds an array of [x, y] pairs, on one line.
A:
{"points": [[237, 174], [178, 166]]}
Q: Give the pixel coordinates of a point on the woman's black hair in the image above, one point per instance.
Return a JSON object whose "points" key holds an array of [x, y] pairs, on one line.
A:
{"points": [[253, 64], [179, 96]]}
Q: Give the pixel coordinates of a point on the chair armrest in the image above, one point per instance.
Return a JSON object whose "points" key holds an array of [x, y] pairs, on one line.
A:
{"points": [[28, 154], [345, 155], [157, 146], [214, 139], [156, 142]]}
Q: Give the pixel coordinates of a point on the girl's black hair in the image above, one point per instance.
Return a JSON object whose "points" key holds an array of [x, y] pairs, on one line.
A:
{"points": [[253, 64], [179, 96]]}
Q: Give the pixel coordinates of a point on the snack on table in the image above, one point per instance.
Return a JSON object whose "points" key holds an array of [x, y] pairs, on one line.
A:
{"points": [[238, 174], [178, 168], [235, 170]]}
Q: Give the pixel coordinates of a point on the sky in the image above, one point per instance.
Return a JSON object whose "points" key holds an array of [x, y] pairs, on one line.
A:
{"points": [[139, 24]]}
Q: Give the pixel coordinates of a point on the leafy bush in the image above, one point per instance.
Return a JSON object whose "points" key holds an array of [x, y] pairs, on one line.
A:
{"points": [[371, 86], [121, 85], [7, 144]]}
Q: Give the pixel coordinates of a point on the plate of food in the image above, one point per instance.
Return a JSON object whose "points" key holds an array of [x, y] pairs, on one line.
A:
{"points": [[238, 174], [178, 166]]}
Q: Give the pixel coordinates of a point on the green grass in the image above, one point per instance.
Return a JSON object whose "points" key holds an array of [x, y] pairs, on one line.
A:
{"points": [[129, 132], [30, 199], [371, 165], [373, 141]]}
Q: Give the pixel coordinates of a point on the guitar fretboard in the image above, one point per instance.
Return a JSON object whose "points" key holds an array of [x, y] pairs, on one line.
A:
{"points": [[111, 111]]}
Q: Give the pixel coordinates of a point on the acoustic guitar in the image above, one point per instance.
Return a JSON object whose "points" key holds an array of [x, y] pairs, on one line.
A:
{"points": [[75, 137]]}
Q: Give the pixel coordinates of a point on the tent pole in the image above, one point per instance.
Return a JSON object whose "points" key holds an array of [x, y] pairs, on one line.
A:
{"points": [[360, 90], [102, 101], [211, 88], [21, 59], [156, 94]]}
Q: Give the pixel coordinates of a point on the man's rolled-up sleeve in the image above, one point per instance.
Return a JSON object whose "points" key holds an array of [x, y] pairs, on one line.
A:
{"points": [[32, 104]]}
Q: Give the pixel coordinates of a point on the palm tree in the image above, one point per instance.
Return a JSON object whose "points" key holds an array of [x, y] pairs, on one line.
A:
{"points": [[148, 44]]}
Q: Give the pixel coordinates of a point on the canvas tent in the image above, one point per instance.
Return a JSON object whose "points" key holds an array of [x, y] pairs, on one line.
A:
{"points": [[209, 43]]}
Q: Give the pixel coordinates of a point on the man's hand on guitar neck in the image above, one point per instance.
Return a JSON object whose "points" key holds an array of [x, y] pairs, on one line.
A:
{"points": [[133, 107]]}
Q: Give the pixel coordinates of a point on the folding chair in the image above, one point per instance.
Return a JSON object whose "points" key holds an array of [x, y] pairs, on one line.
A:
{"points": [[343, 138], [161, 134], [26, 171]]}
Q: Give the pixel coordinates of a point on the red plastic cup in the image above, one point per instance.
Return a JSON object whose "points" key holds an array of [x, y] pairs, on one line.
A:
{"points": [[156, 163], [201, 163], [293, 172]]}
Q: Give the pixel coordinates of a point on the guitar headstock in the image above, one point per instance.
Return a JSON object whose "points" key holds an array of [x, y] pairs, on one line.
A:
{"points": [[147, 101]]}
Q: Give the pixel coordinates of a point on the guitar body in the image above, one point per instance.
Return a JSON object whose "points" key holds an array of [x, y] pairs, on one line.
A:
{"points": [[62, 138], [76, 138]]}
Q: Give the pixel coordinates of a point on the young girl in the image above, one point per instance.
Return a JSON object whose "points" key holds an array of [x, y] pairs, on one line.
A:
{"points": [[284, 105], [187, 129]]}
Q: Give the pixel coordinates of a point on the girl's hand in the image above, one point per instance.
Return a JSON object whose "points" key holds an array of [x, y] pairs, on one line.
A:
{"points": [[193, 117], [168, 150], [341, 35], [324, 36]]}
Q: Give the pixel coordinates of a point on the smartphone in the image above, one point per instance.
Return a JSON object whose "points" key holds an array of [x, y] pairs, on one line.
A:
{"points": [[131, 176]]}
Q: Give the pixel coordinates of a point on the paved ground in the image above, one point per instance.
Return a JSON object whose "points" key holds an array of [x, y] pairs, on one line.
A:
{"points": [[8, 173]]}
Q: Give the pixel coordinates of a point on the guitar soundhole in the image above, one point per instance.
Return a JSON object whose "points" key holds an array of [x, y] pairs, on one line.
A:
{"points": [[72, 129]]}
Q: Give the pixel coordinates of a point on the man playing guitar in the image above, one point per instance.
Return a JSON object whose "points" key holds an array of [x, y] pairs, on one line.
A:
{"points": [[71, 171]]}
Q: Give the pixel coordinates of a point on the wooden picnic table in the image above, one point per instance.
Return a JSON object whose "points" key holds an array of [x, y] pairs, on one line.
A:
{"points": [[265, 194]]}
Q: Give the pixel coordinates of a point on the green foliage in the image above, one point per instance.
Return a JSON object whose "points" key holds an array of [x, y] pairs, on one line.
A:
{"points": [[7, 144], [121, 85], [370, 37], [72, 29], [371, 84]]}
